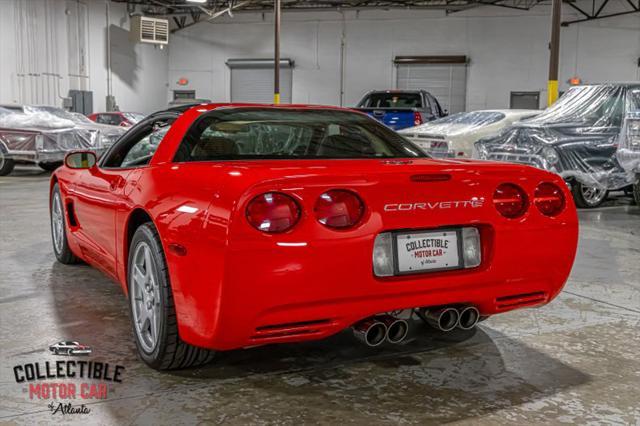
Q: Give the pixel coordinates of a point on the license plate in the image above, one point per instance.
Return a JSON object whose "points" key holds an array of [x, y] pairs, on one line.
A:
{"points": [[428, 251]]}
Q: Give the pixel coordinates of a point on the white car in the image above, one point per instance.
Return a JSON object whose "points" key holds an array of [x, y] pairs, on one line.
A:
{"points": [[454, 136]]}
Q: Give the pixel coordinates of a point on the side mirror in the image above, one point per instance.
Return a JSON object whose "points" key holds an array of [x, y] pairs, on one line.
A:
{"points": [[80, 160]]}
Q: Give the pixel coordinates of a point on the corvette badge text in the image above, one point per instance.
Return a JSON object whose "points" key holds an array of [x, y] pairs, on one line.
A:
{"points": [[435, 205], [63, 382]]}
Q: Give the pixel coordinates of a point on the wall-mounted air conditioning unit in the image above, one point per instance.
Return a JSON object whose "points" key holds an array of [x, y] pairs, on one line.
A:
{"points": [[149, 30]]}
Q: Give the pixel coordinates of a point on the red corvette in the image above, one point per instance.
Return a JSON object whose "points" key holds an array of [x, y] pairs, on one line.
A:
{"points": [[231, 226]]}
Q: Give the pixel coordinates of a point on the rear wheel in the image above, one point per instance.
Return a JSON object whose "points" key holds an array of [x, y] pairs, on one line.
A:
{"points": [[6, 164], [153, 315], [59, 229], [636, 191], [588, 197]]}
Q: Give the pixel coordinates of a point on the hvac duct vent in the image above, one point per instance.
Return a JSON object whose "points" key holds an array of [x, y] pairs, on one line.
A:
{"points": [[149, 30]]}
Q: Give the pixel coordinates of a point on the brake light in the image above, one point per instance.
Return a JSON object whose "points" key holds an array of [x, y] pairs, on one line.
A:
{"points": [[549, 199], [417, 119], [273, 212], [510, 200], [339, 209]]}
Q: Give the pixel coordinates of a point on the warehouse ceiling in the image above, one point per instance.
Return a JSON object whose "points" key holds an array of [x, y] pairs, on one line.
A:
{"points": [[214, 8], [185, 13]]}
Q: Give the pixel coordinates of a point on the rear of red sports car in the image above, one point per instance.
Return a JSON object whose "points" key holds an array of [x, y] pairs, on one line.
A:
{"points": [[313, 244], [239, 226]]}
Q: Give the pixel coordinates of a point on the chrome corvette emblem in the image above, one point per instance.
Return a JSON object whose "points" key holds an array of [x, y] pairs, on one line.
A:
{"points": [[473, 203]]}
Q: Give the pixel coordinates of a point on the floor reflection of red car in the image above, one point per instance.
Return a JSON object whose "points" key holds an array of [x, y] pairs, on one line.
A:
{"points": [[232, 226], [117, 118]]}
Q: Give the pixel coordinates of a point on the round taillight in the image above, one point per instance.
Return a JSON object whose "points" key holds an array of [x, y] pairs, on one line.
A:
{"points": [[339, 209], [549, 199], [510, 200], [273, 212]]}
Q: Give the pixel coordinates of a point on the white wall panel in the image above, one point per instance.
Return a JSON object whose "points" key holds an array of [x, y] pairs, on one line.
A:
{"points": [[508, 50], [50, 46]]}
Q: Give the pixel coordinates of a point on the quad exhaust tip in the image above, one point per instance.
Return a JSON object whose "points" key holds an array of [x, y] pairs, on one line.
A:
{"points": [[375, 330], [397, 329], [469, 317], [447, 318], [371, 332], [444, 319]]}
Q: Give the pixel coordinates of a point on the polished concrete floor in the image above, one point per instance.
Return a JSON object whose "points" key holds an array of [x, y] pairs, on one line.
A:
{"points": [[575, 360]]}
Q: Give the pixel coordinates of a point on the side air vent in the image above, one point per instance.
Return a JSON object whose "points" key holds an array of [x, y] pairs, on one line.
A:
{"points": [[275, 331], [71, 214], [149, 30], [521, 300]]}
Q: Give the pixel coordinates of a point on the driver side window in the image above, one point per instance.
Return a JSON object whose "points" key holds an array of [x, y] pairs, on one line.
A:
{"points": [[138, 149], [141, 152]]}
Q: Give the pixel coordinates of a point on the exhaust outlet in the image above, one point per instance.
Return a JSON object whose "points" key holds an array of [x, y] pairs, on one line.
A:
{"points": [[397, 329], [469, 317], [370, 331], [444, 319]]}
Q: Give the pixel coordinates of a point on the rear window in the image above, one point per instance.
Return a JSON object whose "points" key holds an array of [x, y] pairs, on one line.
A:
{"points": [[479, 118], [392, 100], [234, 134]]}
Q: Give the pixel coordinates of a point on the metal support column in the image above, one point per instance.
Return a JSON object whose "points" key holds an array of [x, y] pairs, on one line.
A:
{"points": [[276, 63], [554, 52]]}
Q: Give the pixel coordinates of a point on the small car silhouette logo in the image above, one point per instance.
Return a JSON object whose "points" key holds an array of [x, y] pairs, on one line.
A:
{"points": [[70, 348]]}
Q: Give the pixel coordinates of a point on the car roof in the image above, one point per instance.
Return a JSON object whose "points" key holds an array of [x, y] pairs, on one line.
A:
{"points": [[397, 91], [613, 83], [205, 107]]}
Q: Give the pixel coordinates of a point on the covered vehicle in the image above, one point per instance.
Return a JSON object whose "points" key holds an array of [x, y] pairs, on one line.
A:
{"points": [[629, 145], [454, 135], [577, 137], [117, 118], [400, 109], [44, 134], [231, 226]]}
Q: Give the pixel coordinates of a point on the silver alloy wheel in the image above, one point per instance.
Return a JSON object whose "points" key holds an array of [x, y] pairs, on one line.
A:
{"points": [[145, 297], [57, 223], [593, 195], [1, 159]]}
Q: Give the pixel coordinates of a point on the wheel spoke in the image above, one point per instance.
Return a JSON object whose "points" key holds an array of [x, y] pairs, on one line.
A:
{"points": [[153, 324], [145, 301], [147, 262], [139, 276]]}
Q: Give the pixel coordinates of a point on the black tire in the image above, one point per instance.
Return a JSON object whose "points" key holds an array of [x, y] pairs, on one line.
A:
{"points": [[636, 192], [6, 164], [62, 253], [578, 190], [49, 167], [170, 352]]}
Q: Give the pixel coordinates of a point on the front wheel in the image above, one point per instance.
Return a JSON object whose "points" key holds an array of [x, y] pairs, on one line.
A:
{"points": [[588, 197], [155, 325], [636, 191]]}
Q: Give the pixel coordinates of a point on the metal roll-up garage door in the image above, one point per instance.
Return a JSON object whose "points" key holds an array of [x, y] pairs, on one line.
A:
{"points": [[252, 80], [445, 77]]}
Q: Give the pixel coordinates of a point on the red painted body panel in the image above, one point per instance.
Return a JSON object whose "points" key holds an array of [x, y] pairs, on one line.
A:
{"points": [[238, 287]]}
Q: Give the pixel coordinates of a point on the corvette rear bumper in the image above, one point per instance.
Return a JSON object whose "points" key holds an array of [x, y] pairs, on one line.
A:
{"points": [[277, 293]]}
